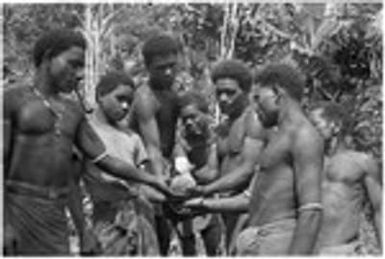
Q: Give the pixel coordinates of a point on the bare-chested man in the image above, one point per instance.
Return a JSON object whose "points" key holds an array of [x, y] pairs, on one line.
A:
{"points": [[284, 203], [239, 140], [348, 177], [154, 116], [40, 128]]}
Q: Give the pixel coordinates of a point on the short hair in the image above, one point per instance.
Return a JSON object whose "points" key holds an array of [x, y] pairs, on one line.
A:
{"points": [[285, 75], [160, 44], [194, 98], [234, 69], [330, 110], [111, 81], [55, 42]]}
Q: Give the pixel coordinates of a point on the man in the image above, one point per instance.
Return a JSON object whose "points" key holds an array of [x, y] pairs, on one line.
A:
{"points": [[240, 137], [198, 143], [154, 116], [40, 129], [348, 176], [284, 203]]}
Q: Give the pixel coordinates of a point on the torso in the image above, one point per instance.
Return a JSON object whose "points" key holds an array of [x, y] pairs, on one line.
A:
{"points": [[342, 197], [272, 197], [39, 155], [166, 109]]}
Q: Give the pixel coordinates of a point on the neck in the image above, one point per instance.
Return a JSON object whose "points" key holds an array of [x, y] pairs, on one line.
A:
{"points": [[334, 145], [290, 112], [44, 84], [101, 116]]}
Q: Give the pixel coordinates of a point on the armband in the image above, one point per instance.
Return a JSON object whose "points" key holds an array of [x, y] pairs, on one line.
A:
{"points": [[99, 157], [311, 206]]}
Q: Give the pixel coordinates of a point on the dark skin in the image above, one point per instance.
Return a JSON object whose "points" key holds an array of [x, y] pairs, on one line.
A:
{"points": [[272, 194], [30, 129], [154, 116]]}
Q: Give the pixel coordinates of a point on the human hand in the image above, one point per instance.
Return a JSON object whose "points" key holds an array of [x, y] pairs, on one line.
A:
{"points": [[195, 203]]}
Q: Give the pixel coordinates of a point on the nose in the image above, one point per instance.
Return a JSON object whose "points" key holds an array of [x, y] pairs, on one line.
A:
{"points": [[125, 106], [79, 74]]}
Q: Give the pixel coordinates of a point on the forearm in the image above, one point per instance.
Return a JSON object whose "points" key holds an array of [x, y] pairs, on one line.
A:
{"points": [[306, 232], [156, 161], [76, 209], [230, 181], [125, 171], [239, 203]]}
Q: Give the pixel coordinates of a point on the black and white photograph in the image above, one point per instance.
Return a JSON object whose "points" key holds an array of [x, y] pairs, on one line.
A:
{"points": [[173, 129]]}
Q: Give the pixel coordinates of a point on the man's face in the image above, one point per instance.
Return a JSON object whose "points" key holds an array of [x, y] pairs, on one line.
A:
{"points": [[116, 103], [194, 121], [163, 70], [324, 126], [264, 100], [67, 69], [227, 92]]}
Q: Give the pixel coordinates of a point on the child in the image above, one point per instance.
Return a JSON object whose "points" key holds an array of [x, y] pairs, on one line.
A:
{"points": [[120, 227]]}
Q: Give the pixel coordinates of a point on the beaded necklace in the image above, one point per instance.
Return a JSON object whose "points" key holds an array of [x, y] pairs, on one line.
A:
{"points": [[58, 116]]}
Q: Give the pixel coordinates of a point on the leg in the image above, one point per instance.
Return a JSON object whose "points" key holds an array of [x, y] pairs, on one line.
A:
{"points": [[187, 238], [212, 236]]}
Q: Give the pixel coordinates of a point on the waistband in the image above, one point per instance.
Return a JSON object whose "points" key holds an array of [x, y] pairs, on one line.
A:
{"points": [[23, 188], [276, 226]]}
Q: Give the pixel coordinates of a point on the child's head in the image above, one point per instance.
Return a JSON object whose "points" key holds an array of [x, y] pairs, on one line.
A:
{"points": [[114, 94]]}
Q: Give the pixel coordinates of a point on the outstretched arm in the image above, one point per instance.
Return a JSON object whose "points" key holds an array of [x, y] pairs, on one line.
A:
{"points": [[238, 203], [144, 109], [241, 174], [308, 164], [89, 142], [373, 186]]}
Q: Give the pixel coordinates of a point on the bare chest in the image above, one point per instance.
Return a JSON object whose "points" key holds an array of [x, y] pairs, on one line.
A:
{"points": [[343, 168], [277, 152], [35, 118]]}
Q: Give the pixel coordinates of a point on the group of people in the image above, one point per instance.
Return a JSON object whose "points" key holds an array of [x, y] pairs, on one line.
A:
{"points": [[275, 179]]}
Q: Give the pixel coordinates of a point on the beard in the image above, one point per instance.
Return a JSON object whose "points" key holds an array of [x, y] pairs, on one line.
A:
{"points": [[268, 120], [236, 108]]}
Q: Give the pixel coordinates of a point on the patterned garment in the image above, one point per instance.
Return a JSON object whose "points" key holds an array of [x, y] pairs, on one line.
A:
{"points": [[127, 232]]}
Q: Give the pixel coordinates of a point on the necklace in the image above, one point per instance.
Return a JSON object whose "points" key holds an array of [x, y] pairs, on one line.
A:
{"points": [[58, 116]]}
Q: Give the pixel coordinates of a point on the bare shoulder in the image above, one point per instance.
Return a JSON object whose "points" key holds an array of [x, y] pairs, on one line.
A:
{"points": [[306, 138], [365, 161], [145, 102], [14, 96], [74, 106]]}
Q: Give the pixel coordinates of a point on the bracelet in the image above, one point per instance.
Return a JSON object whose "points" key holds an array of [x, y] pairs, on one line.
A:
{"points": [[99, 157]]}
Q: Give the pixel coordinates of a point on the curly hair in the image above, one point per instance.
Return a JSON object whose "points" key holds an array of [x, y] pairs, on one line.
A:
{"points": [[112, 80], [194, 98], [284, 75], [234, 69], [159, 44], [55, 42]]}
